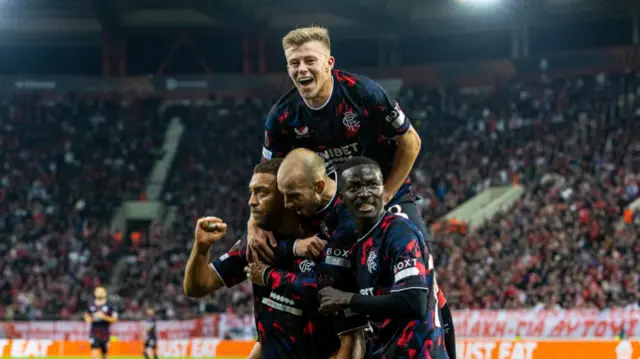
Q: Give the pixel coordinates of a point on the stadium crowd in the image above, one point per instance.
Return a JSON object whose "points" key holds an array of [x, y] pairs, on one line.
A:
{"points": [[65, 166], [573, 144]]}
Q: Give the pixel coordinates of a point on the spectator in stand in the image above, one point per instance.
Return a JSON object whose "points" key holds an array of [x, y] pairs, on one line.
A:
{"points": [[66, 164]]}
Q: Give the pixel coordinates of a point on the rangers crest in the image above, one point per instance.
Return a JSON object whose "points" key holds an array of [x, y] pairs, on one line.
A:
{"points": [[372, 262], [306, 266]]}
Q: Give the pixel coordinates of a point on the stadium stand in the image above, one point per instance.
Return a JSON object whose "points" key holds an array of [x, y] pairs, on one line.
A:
{"points": [[66, 164], [571, 142]]}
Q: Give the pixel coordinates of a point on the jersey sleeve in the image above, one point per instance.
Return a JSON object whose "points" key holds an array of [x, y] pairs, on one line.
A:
{"points": [[385, 114], [275, 139], [348, 320], [407, 253], [230, 266]]}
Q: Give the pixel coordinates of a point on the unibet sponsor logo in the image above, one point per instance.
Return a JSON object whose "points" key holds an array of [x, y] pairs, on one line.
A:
{"points": [[337, 155]]}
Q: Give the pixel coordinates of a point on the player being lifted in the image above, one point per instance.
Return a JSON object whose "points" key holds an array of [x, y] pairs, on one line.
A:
{"points": [[339, 115], [394, 272], [285, 295], [101, 314], [150, 336]]}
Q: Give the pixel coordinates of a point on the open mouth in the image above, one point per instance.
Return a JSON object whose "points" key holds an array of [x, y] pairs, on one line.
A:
{"points": [[305, 81], [366, 208]]}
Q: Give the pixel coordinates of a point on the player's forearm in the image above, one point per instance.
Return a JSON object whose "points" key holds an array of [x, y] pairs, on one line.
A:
{"points": [[199, 278], [255, 352], [351, 345], [359, 345], [406, 153], [110, 320], [408, 304]]}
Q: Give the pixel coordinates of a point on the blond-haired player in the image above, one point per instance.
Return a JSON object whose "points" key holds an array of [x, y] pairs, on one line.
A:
{"points": [[340, 115], [100, 314]]}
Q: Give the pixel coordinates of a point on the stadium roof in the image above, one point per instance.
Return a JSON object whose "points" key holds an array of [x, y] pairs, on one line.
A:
{"points": [[65, 22]]}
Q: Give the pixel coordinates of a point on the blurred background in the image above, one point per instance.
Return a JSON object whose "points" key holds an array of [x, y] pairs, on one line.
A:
{"points": [[123, 121]]}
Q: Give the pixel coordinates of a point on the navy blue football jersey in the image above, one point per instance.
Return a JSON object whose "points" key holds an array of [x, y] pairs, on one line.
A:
{"points": [[286, 310], [335, 266], [150, 326], [100, 328], [358, 120], [392, 257]]}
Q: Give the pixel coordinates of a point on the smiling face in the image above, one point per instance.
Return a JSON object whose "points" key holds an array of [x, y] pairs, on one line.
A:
{"points": [[309, 66], [363, 191]]}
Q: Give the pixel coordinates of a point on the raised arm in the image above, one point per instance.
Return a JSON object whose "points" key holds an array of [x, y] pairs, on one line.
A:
{"points": [[200, 278], [391, 122]]}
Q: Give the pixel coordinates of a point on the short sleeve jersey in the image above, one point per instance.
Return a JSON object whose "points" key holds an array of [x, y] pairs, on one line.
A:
{"points": [[150, 326], [100, 328], [392, 258], [358, 120], [286, 311]]}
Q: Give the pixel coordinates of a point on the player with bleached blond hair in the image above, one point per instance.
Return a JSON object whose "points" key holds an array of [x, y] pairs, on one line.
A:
{"points": [[340, 115]]}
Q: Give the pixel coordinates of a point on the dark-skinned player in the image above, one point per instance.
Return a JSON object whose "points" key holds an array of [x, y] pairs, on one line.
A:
{"points": [[395, 276], [285, 294]]}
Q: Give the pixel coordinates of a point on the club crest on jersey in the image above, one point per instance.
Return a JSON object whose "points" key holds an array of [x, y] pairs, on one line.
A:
{"points": [[351, 124], [301, 132], [372, 262], [306, 266]]}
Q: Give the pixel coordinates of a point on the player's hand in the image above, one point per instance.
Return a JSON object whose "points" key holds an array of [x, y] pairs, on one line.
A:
{"points": [[311, 247], [260, 244], [208, 231], [333, 300], [255, 273], [100, 315]]}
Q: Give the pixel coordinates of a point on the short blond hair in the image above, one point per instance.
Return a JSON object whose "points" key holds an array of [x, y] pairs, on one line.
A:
{"points": [[301, 36]]}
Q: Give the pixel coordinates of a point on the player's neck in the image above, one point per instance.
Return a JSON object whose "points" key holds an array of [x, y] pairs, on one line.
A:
{"points": [[290, 225], [100, 302], [365, 225], [320, 101]]}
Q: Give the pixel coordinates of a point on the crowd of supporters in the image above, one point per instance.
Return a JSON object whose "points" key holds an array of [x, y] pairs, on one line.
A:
{"points": [[574, 145], [65, 165]]}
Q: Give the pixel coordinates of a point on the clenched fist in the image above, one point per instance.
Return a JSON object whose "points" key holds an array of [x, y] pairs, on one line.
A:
{"points": [[208, 230]]}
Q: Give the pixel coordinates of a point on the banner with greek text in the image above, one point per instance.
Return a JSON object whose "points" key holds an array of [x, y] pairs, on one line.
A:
{"points": [[469, 323]]}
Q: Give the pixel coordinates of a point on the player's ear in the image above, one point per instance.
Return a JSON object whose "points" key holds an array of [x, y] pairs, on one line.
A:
{"points": [[331, 61], [320, 184]]}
